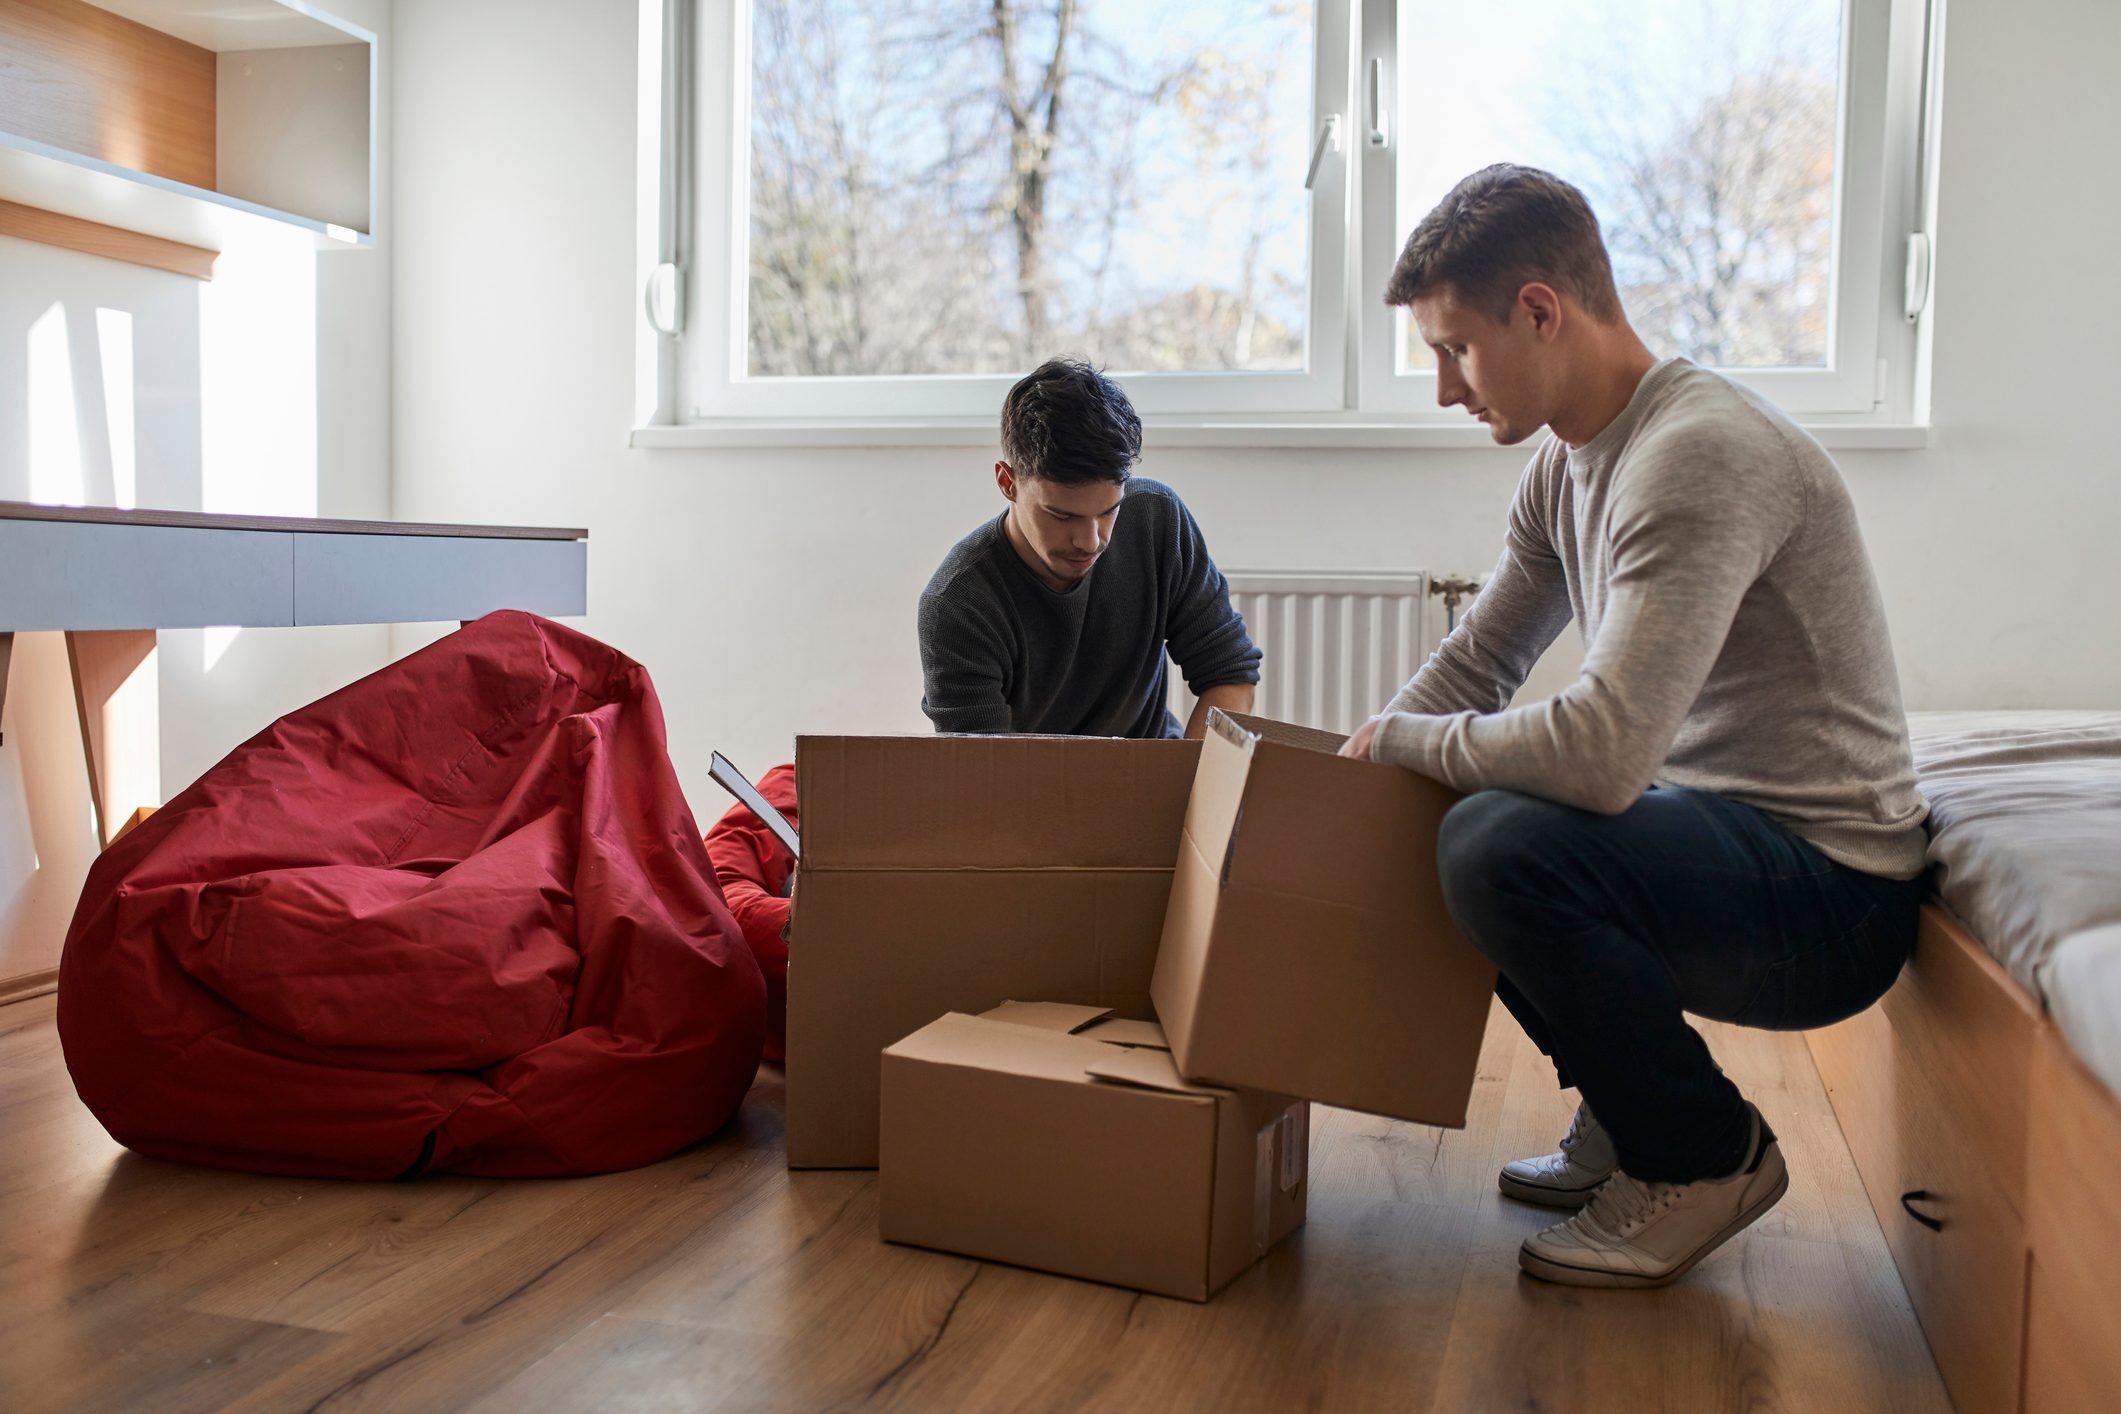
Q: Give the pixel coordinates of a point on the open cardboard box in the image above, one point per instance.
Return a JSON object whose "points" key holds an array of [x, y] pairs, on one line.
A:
{"points": [[1307, 949], [1053, 1137], [951, 873]]}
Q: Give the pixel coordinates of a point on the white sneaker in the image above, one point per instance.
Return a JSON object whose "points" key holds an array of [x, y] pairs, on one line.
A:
{"points": [[1566, 1179], [1633, 1233]]}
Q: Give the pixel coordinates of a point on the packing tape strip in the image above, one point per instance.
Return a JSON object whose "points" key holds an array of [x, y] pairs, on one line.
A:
{"points": [[1281, 1150]]}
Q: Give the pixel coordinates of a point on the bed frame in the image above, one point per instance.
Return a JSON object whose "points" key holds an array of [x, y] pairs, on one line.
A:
{"points": [[1989, 1153]]}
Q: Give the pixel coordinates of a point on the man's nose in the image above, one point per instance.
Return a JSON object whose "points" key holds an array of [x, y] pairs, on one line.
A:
{"points": [[1450, 390]]}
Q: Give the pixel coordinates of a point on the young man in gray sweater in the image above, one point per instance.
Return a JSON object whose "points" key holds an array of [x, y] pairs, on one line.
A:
{"points": [[1719, 815], [1055, 616]]}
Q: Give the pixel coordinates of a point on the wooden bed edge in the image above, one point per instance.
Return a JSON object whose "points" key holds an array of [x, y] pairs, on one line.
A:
{"points": [[2064, 1353], [1938, 923], [2073, 1228]]}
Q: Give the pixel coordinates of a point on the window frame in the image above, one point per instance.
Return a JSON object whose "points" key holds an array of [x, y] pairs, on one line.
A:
{"points": [[694, 216], [715, 385], [1873, 208]]}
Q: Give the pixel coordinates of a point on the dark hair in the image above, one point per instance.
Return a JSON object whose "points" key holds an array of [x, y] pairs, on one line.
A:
{"points": [[1065, 421], [1501, 229]]}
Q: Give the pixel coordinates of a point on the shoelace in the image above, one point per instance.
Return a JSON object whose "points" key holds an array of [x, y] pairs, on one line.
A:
{"points": [[1622, 1205]]}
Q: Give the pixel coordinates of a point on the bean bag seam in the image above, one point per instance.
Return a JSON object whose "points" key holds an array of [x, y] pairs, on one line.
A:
{"points": [[510, 715]]}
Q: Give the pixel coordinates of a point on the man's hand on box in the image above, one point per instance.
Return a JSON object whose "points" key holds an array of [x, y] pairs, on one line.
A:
{"points": [[1358, 745]]}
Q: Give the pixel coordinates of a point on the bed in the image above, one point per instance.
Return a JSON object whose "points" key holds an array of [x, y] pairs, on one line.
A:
{"points": [[1980, 1093]]}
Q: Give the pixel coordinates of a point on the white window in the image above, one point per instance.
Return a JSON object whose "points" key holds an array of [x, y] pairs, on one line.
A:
{"points": [[882, 212]]}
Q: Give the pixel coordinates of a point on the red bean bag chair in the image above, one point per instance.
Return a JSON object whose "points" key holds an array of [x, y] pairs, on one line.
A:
{"points": [[752, 866], [454, 917]]}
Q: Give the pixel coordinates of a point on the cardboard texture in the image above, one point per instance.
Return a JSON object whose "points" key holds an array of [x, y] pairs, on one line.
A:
{"points": [[950, 873], [1307, 949], [1047, 1145]]}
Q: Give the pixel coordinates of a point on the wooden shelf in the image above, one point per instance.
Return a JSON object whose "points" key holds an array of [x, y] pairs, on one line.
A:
{"points": [[51, 178], [210, 123]]}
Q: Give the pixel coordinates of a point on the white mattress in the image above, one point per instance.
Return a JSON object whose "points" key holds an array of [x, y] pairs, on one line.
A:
{"points": [[2025, 831]]}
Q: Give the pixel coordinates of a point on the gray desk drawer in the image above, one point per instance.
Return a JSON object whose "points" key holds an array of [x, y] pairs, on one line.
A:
{"points": [[63, 575], [364, 579]]}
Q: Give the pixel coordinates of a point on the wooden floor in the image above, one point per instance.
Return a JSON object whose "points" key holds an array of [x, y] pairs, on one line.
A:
{"points": [[720, 1280]]}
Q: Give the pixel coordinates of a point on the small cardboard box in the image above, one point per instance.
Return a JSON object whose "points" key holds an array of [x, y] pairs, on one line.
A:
{"points": [[950, 873], [1050, 1137], [1307, 949]]}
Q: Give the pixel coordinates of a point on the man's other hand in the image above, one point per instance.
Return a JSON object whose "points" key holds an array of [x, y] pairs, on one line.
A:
{"points": [[1358, 745]]}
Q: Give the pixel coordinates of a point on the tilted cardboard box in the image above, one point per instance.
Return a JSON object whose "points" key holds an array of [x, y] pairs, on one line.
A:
{"points": [[1049, 1137], [950, 873], [1307, 949]]}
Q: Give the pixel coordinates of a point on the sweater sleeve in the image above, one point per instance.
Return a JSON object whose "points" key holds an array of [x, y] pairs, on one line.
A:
{"points": [[964, 666], [1206, 636], [1690, 531], [1521, 609], [751, 866]]}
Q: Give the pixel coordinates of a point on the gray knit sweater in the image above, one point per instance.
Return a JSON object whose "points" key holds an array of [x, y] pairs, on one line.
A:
{"points": [[1734, 637]]}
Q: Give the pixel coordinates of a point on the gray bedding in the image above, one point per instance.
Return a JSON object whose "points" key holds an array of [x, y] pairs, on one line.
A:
{"points": [[2025, 821]]}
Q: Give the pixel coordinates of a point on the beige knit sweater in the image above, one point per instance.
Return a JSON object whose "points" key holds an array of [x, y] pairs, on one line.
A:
{"points": [[1734, 638]]}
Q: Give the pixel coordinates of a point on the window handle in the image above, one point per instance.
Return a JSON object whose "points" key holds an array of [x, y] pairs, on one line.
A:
{"points": [[1380, 120], [664, 299], [1328, 141]]}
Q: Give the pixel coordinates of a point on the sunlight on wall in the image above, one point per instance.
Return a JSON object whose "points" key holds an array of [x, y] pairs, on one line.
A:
{"points": [[55, 477], [131, 746], [258, 391], [214, 644], [114, 346]]}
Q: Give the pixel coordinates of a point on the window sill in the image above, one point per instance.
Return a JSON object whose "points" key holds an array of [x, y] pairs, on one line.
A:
{"points": [[1161, 432]]}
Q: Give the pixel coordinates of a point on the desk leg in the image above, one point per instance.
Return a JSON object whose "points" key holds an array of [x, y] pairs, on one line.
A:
{"points": [[7, 651], [117, 698]]}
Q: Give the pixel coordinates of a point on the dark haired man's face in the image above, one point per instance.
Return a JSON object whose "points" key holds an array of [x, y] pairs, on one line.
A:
{"points": [[1496, 371], [1059, 530]]}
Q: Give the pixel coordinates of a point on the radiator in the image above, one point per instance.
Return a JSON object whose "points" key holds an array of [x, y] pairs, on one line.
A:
{"points": [[1335, 646]]}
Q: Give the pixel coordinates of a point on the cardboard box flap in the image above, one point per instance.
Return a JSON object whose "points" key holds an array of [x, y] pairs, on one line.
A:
{"points": [[1280, 733], [990, 802], [1121, 1032], [1064, 1017], [1147, 1070], [975, 1041], [1217, 804], [1296, 840]]}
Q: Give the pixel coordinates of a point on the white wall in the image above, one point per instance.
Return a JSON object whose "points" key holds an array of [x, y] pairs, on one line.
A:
{"points": [[771, 592], [266, 390]]}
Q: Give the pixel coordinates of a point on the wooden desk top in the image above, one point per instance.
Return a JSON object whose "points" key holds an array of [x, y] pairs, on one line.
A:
{"points": [[308, 525]]}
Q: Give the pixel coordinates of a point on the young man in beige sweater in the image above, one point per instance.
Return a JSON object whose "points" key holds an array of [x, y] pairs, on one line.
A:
{"points": [[1719, 815]]}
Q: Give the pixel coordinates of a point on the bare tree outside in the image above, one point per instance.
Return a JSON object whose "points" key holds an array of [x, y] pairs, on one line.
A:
{"points": [[969, 186], [1719, 208], [1704, 134]]}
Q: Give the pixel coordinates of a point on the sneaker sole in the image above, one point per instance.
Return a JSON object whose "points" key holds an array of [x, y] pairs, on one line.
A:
{"points": [[1570, 1198], [1564, 1274]]}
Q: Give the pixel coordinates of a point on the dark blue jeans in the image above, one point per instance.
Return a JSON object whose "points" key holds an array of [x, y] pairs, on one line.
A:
{"points": [[1606, 928]]}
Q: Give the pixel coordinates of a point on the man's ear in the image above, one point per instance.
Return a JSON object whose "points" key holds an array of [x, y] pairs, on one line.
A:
{"points": [[1542, 305], [1005, 478]]}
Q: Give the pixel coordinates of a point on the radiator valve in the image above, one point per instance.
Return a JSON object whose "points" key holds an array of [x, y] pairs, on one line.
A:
{"points": [[1455, 589]]}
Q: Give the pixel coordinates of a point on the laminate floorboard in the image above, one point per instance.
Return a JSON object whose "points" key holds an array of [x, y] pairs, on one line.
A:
{"points": [[719, 1280]]}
